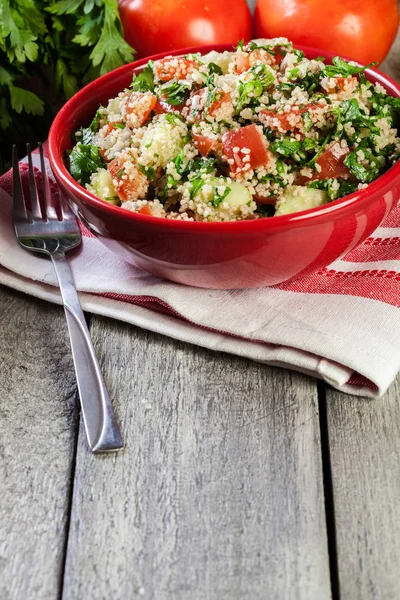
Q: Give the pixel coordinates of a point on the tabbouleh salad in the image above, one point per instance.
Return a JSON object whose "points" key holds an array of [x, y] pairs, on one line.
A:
{"points": [[257, 132]]}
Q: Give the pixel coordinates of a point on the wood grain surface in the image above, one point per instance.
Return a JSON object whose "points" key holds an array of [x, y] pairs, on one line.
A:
{"points": [[218, 493], [364, 438], [38, 430]]}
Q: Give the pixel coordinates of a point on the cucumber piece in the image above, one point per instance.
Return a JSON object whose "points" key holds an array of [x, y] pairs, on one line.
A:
{"points": [[162, 142], [296, 198], [101, 184], [218, 190], [222, 59]]}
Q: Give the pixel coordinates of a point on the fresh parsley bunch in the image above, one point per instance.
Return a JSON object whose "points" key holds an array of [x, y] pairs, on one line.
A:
{"points": [[48, 50]]}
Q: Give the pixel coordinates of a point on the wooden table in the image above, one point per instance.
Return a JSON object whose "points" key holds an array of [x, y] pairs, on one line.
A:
{"points": [[238, 481]]}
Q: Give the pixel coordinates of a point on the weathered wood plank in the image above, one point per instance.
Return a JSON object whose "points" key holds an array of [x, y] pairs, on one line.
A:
{"points": [[38, 432], [218, 493], [364, 439]]}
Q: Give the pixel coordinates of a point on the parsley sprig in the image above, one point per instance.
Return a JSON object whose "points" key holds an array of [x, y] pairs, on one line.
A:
{"points": [[48, 50]]}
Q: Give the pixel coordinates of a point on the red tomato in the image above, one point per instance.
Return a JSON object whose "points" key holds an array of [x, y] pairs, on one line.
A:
{"points": [[153, 26], [162, 106], [203, 144], [331, 163], [176, 67], [246, 60], [361, 29], [226, 97], [145, 210], [125, 188], [245, 138], [337, 84], [286, 121], [242, 63], [264, 199]]}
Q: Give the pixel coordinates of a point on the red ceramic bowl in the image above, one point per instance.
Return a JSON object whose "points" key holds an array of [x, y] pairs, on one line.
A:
{"points": [[239, 254]]}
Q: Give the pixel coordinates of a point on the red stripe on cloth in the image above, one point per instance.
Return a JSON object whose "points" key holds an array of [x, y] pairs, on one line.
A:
{"points": [[375, 249], [381, 285], [393, 219], [360, 381]]}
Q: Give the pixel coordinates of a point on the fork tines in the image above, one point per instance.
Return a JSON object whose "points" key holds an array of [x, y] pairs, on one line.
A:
{"points": [[39, 205]]}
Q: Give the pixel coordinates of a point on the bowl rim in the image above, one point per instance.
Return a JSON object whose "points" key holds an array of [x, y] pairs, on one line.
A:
{"points": [[338, 207]]}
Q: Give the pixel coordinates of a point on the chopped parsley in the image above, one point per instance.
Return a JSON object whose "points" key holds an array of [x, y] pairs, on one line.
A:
{"points": [[95, 124], [84, 160], [148, 171], [364, 173], [144, 82], [213, 68], [343, 68], [217, 198], [172, 118], [176, 93]]}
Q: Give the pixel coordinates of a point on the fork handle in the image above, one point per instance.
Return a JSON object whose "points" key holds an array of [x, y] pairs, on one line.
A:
{"points": [[101, 427]]}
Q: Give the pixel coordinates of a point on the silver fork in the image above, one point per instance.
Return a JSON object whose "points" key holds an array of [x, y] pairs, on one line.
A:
{"points": [[53, 230]]}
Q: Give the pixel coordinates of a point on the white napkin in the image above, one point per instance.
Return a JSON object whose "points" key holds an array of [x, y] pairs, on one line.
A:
{"points": [[341, 324]]}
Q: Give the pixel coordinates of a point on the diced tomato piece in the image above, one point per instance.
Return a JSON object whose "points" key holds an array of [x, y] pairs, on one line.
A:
{"points": [[130, 187], [110, 127], [174, 67], [226, 97], [337, 84], [261, 56], [286, 121], [137, 108], [145, 210], [242, 63], [163, 107], [264, 199], [203, 144], [246, 148], [331, 163], [278, 56]]}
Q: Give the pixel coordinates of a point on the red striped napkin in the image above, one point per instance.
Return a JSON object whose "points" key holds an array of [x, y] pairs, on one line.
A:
{"points": [[341, 324]]}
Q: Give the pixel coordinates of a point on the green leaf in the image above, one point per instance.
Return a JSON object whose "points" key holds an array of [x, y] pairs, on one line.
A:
{"points": [[23, 100], [65, 79], [148, 171], [5, 117], [111, 51], [213, 68], [65, 7], [365, 174], [343, 68], [286, 146], [85, 160], [6, 78], [217, 199], [144, 82], [176, 93]]}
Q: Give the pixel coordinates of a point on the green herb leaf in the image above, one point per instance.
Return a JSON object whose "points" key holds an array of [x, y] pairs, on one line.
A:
{"points": [[172, 118], [85, 160], [217, 199], [287, 147], [343, 68], [213, 68], [365, 174], [144, 82], [148, 171], [176, 93], [23, 100]]}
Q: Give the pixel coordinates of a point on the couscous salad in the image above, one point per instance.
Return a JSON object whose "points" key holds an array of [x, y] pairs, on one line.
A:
{"points": [[257, 132]]}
